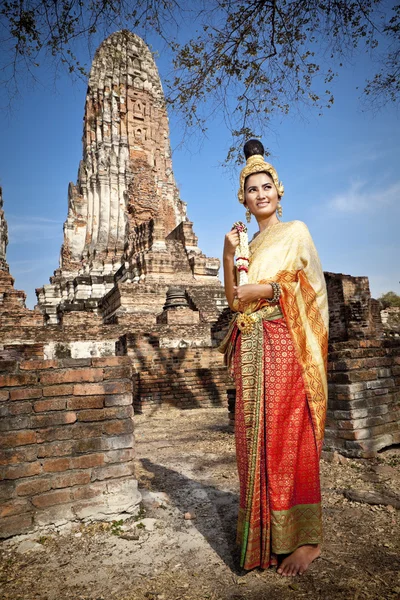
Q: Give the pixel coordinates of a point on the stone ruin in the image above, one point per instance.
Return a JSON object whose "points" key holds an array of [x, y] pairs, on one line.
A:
{"points": [[127, 236], [131, 319]]}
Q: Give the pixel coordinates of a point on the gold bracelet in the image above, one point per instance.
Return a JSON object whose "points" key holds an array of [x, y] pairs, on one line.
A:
{"points": [[276, 288]]}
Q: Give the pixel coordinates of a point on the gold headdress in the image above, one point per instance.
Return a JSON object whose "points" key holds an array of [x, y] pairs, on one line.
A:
{"points": [[257, 164]]}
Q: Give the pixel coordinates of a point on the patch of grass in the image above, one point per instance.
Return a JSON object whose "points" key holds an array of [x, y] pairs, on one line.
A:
{"points": [[116, 527], [141, 514], [43, 539]]}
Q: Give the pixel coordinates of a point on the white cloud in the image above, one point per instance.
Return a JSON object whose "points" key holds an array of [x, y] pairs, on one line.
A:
{"points": [[29, 228], [356, 156], [22, 267], [363, 196]]}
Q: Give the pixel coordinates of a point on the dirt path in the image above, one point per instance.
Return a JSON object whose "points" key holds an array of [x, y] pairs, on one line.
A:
{"points": [[186, 464]]}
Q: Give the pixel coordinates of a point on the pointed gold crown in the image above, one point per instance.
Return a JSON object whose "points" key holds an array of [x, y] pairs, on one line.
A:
{"points": [[257, 164]]}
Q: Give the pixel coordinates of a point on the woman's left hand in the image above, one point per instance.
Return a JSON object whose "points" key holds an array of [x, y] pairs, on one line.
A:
{"points": [[249, 292]]}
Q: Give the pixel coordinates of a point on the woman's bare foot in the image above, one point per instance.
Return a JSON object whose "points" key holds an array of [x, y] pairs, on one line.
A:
{"points": [[299, 561]]}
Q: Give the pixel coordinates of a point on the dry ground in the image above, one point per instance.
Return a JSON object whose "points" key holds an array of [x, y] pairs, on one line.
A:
{"points": [[186, 464]]}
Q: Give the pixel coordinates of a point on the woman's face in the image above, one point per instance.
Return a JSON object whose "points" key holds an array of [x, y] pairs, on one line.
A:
{"points": [[260, 195]]}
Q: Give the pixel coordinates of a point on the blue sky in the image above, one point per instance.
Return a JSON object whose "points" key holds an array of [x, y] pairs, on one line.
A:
{"points": [[340, 171]]}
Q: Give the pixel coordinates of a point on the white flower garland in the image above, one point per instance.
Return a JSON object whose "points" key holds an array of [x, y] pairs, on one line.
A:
{"points": [[242, 253]]}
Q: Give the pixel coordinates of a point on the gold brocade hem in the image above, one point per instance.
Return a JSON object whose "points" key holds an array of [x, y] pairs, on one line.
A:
{"points": [[240, 526], [297, 526], [289, 529]]}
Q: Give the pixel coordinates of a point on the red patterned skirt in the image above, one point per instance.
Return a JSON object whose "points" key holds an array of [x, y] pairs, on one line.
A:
{"points": [[277, 455]]}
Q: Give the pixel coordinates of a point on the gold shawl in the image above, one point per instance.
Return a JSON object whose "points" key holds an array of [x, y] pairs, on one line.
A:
{"points": [[285, 253]]}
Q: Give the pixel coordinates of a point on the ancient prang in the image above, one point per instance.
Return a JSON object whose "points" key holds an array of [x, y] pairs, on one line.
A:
{"points": [[127, 236], [131, 320]]}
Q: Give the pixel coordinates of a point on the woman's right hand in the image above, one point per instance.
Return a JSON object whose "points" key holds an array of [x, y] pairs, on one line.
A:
{"points": [[231, 243]]}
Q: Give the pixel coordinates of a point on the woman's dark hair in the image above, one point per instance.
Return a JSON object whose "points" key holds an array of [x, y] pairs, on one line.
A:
{"points": [[252, 147]]}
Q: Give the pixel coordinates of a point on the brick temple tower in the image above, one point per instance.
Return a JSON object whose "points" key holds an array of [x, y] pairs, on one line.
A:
{"points": [[126, 223]]}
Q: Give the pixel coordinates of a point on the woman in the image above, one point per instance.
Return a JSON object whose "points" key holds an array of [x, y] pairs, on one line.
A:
{"points": [[277, 346]]}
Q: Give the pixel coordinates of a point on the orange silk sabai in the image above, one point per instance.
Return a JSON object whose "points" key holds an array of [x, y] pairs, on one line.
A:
{"points": [[286, 254], [278, 354]]}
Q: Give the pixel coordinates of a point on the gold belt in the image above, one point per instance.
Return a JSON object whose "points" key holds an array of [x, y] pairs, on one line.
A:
{"points": [[245, 322]]}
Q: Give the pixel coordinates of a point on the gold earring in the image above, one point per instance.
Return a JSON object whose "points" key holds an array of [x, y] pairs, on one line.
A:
{"points": [[279, 209], [248, 215]]}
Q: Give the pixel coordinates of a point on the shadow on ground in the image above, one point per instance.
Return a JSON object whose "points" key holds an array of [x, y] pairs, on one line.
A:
{"points": [[215, 509]]}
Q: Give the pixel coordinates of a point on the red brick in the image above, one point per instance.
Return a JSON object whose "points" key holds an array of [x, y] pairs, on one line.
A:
{"points": [[78, 402], [14, 456], [88, 491], [64, 432], [58, 390], [56, 418], [38, 365], [16, 525], [70, 479], [95, 389], [119, 456], [364, 375], [117, 427], [71, 376], [8, 366], [50, 404], [72, 363], [52, 498], [14, 507], [53, 465], [88, 389], [83, 431], [17, 380], [18, 422], [91, 415], [122, 372], [87, 461], [110, 361], [19, 438], [118, 400], [119, 412], [90, 445], [19, 471], [19, 408], [26, 393], [30, 488], [4, 395], [118, 387], [54, 449], [7, 490], [113, 471]]}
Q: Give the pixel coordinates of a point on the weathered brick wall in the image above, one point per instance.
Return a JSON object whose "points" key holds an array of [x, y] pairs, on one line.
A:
{"points": [[176, 367], [66, 446], [391, 321], [20, 352], [181, 386], [337, 315], [364, 397], [352, 311]]}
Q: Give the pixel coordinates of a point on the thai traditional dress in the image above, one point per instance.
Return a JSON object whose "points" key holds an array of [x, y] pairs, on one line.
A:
{"points": [[278, 355]]}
